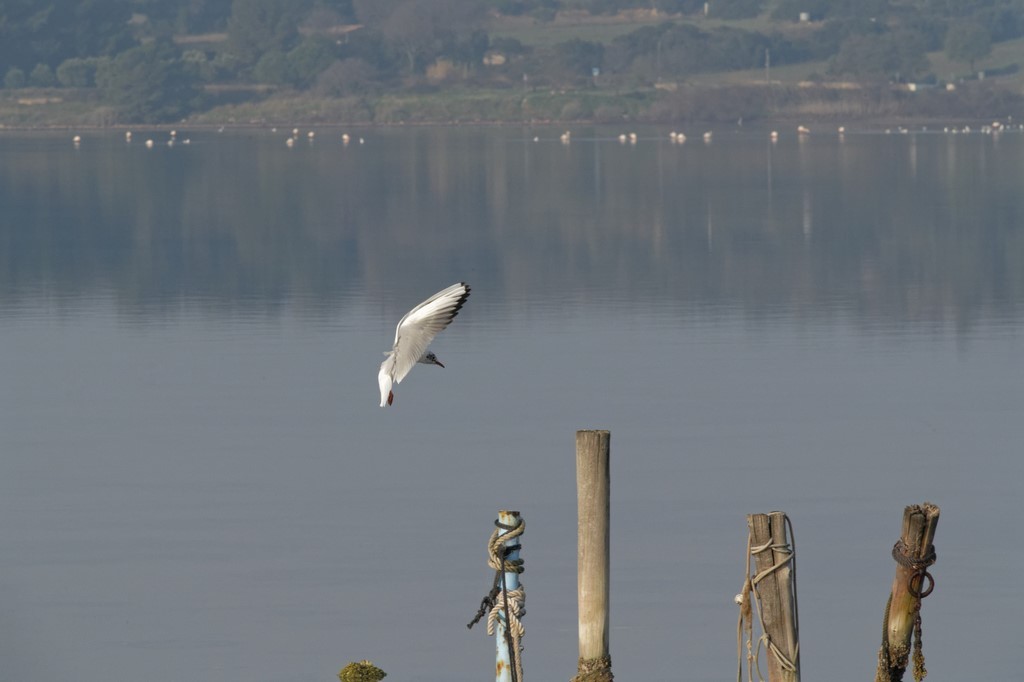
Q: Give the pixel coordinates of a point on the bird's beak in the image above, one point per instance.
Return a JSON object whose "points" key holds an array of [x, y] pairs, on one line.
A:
{"points": [[438, 363]]}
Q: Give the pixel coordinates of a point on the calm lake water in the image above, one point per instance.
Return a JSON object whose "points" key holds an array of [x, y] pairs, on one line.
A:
{"points": [[196, 482]]}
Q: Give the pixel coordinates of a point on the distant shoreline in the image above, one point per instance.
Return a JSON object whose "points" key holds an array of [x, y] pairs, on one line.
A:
{"points": [[754, 107]]}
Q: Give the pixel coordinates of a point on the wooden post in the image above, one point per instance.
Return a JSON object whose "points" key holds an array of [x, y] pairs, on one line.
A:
{"points": [[775, 588], [914, 553], [592, 505]]}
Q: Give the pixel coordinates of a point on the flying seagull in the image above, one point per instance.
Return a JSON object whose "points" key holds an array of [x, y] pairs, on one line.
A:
{"points": [[416, 330]]}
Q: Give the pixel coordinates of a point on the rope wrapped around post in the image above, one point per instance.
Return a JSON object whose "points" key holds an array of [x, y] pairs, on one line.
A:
{"points": [[780, 636], [504, 605]]}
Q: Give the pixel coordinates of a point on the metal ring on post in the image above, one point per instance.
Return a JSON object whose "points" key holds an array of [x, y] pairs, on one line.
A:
{"points": [[923, 575]]}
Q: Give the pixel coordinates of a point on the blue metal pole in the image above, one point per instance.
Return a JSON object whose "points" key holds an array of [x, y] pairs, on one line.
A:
{"points": [[503, 665]]}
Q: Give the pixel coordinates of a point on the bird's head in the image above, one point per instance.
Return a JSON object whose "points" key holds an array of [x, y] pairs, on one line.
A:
{"points": [[431, 359]]}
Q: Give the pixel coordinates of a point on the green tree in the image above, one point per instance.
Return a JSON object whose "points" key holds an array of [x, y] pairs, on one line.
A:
{"points": [[34, 32], [77, 73], [184, 16], [273, 68], [968, 42], [309, 58], [14, 78], [574, 59], [299, 67], [148, 84], [258, 26], [199, 66], [42, 77], [468, 49], [418, 28], [347, 77], [370, 46]]}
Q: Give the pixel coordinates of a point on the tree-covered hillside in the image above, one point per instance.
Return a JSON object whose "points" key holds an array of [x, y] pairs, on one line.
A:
{"points": [[153, 60]]}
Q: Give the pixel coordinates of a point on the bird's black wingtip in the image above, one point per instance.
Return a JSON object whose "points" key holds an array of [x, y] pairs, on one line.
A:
{"points": [[462, 299]]}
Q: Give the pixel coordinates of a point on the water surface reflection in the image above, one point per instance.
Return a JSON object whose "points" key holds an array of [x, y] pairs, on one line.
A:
{"points": [[889, 230], [196, 481]]}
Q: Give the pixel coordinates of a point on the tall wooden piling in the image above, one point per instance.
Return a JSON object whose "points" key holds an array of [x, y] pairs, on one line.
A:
{"points": [[593, 483], [914, 553], [774, 586]]}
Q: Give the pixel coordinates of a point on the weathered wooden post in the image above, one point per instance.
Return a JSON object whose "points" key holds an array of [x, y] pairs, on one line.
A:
{"points": [[592, 504], [774, 588], [914, 553]]}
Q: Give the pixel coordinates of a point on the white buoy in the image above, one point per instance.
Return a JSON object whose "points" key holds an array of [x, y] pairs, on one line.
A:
{"points": [[149, 144]]}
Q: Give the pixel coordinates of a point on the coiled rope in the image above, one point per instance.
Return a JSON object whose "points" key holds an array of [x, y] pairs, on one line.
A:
{"points": [[501, 600]]}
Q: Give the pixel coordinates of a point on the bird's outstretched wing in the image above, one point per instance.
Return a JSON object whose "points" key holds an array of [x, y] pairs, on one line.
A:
{"points": [[419, 326]]}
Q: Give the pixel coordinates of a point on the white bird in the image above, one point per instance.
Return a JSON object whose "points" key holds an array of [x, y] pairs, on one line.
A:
{"points": [[415, 331]]}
